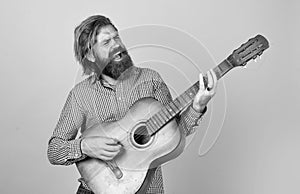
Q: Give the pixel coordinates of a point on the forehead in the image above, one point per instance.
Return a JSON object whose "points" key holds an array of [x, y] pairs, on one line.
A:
{"points": [[106, 32]]}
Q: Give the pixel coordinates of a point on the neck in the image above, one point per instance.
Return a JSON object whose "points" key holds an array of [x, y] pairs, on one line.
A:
{"points": [[108, 79]]}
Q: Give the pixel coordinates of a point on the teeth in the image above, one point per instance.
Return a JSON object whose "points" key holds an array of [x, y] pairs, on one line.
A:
{"points": [[118, 53], [117, 56]]}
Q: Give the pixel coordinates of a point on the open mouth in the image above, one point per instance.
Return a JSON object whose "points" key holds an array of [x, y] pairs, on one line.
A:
{"points": [[118, 56]]}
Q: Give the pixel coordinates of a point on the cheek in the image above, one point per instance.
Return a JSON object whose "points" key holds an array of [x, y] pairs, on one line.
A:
{"points": [[102, 54]]}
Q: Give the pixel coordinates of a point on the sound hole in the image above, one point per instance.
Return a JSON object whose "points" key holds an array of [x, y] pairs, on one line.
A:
{"points": [[141, 135]]}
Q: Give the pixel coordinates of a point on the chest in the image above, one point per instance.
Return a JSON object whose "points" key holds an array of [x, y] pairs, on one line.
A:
{"points": [[106, 104]]}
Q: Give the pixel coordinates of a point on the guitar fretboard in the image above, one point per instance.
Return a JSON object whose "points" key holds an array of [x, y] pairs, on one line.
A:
{"points": [[169, 111]]}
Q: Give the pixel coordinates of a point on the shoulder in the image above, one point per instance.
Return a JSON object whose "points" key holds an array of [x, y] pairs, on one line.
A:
{"points": [[148, 73], [83, 86]]}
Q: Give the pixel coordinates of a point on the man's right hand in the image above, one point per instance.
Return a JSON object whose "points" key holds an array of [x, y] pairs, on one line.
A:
{"points": [[103, 148]]}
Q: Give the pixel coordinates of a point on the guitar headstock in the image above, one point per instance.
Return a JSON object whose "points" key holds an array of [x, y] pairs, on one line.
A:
{"points": [[250, 50]]}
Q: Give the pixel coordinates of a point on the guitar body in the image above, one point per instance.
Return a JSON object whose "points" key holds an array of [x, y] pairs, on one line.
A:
{"points": [[130, 173]]}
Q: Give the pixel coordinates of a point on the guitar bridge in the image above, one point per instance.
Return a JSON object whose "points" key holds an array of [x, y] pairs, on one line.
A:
{"points": [[115, 169]]}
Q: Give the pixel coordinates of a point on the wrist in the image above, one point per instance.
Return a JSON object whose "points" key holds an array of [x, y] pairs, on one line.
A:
{"points": [[83, 146], [199, 109]]}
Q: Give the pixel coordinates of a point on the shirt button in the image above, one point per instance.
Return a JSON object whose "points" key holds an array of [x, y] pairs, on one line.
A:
{"points": [[76, 155]]}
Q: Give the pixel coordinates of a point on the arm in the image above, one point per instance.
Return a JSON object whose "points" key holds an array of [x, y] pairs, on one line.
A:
{"points": [[188, 119], [63, 148]]}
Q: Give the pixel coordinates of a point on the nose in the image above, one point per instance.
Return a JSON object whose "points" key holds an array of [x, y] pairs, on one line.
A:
{"points": [[115, 43]]}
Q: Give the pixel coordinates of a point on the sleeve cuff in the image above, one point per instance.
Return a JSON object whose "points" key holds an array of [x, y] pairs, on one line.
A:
{"points": [[192, 119], [195, 114], [75, 153]]}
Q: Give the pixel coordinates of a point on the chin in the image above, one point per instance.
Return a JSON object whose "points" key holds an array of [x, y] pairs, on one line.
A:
{"points": [[115, 69]]}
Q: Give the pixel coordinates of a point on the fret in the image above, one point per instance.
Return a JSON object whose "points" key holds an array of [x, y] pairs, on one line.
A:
{"points": [[159, 118], [193, 93], [169, 109], [156, 121], [182, 102], [150, 127], [194, 89], [186, 97], [173, 107], [152, 124], [190, 93], [166, 112], [177, 104], [153, 129], [218, 70], [163, 121], [162, 114]]}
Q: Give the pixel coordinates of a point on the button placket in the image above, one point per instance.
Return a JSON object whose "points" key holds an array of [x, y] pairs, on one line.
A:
{"points": [[119, 100]]}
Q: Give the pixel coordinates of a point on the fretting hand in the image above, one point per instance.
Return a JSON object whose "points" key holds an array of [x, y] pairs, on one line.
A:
{"points": [[204, 94]]}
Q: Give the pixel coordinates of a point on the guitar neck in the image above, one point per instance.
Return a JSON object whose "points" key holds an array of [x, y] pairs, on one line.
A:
{"points": [[221, 69], [158, 120]]}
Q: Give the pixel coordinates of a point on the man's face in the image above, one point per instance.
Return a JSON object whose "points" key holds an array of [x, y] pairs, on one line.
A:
{"points": [[110, 53]]}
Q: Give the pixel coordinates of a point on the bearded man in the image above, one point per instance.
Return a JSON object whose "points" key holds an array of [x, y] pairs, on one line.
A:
{"points": [[113, 85]]}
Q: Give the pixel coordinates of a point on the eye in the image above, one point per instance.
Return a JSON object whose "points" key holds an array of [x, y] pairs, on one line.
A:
{"points": [[105, 42]]}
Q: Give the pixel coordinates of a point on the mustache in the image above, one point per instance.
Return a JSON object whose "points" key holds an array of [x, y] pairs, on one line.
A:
{"points": [[116, 50]]}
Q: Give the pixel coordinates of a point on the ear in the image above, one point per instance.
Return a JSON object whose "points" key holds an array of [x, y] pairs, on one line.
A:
{"points": [[90, 56], [89, 63]]}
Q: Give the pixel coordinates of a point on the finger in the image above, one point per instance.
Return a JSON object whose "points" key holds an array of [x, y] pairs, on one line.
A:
{"points": [[214, 76], [104, 158], [108, 154], [112, 148], [111, 141], [201, 82], [210, 81]]}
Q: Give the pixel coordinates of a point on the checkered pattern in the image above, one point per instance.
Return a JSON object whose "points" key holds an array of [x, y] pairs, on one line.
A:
{"points": [[94, 100]]}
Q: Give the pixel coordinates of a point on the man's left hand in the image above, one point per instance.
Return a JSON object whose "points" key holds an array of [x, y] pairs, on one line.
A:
{"points": [[205, 93]]}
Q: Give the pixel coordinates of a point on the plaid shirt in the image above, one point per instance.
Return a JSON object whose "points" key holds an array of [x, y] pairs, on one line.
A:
{"points": [[94, 100]]}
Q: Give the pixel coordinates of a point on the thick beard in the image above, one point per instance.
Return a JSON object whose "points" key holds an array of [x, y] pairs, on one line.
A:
{"points": [[115, 69]]}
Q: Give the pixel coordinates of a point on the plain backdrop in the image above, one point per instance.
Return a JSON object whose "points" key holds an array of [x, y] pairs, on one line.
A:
{"points": [[258, 150]]}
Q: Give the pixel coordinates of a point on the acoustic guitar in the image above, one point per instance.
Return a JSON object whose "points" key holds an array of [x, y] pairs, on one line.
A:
{"points": [[150, 135]]}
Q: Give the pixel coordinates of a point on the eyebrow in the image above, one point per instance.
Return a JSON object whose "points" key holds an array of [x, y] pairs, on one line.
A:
{"points": [[106, 32], [108, 37]]}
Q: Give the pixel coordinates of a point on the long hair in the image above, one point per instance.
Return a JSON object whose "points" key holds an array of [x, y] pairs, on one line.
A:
{"points": [[85, 37]]}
